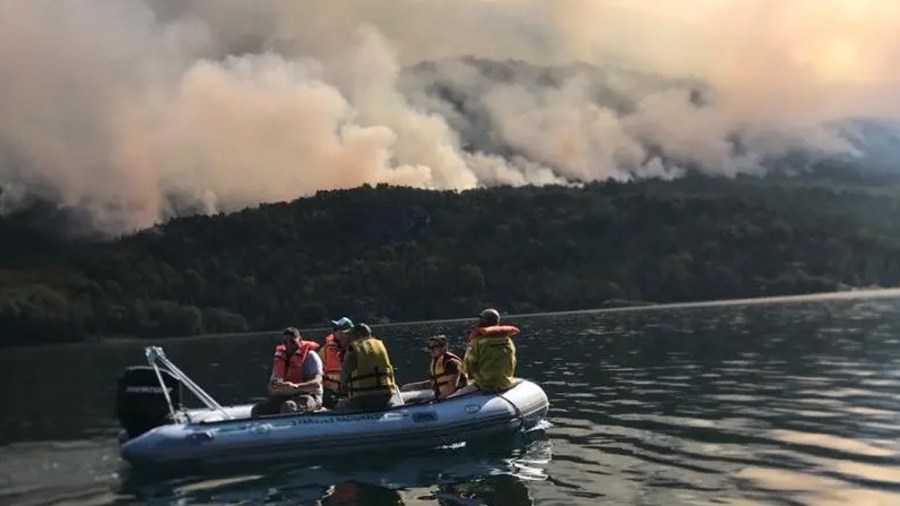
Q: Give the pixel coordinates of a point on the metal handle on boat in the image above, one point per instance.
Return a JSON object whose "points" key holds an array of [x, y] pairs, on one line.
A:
{"points": [[156, 354], [199, 437], [262, 428]]}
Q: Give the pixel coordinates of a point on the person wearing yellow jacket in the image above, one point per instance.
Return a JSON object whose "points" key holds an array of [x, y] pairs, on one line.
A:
{"points": [[367, 374], [490, 359]]}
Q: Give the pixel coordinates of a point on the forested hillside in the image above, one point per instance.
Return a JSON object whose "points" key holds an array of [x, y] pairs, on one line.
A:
{"points": [[403, 254]]}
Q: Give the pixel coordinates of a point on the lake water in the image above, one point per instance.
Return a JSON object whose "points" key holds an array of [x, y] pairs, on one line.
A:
{"points": [[781, 404]]}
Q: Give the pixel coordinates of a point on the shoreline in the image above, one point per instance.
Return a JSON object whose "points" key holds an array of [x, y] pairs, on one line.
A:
{"points": [[621, 306]]}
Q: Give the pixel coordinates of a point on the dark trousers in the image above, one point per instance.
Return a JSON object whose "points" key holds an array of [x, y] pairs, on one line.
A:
{"points": [[300, 403], [331, 399]]}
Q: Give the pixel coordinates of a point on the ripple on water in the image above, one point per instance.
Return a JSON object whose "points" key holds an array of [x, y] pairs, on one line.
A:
{"points": [[870, 412], [810, 488], [737, 398], [836, 393], [854, 448]]}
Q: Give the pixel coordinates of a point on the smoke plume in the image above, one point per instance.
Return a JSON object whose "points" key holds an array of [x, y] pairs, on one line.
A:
{"points": [[118, 106]]}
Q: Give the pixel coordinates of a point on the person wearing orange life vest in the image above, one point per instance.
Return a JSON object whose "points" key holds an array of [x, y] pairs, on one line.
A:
{"points": [[296, 381], [332, 355], [490, 359], [446, 370]]}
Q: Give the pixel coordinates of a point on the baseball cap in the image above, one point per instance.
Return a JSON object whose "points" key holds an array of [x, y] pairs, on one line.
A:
{"points": [[360, 330], [344, 324]]}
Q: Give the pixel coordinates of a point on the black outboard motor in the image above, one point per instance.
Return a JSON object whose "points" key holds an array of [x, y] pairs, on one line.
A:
{"points": [[140, 402]]}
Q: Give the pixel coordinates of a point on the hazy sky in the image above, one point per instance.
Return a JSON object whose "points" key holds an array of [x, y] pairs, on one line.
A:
{"points": [[112, 105]]}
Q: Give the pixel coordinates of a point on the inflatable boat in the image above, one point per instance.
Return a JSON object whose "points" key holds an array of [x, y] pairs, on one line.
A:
{"points": [[158, 429]]}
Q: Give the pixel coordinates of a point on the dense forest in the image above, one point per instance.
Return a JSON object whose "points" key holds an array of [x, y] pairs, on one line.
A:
{"points": [[391, 253]]}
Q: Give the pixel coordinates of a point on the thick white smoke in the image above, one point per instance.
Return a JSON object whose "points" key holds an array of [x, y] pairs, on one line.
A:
{"points": [[114, 105]]}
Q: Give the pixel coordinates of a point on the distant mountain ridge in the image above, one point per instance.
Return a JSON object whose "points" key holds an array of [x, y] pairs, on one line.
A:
{"points": [[452, 93]]}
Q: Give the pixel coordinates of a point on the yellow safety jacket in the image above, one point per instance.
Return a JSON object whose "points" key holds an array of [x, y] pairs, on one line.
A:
{"points": [[374, 374], [490, 360], [440, 377]]}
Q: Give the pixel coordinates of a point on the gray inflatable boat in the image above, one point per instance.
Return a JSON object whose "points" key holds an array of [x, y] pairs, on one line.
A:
{"points": [[157, 429]]}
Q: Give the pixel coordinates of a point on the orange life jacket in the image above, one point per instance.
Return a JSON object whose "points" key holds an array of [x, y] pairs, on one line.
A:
{"points": [[332, 362], [290, 368], [493, 331]]}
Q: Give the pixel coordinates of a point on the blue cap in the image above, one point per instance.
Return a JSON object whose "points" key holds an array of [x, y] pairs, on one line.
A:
{"points": [[343, 324]]}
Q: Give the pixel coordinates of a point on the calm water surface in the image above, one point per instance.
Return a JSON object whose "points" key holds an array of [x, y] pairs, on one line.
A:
{"points": [[782, 404]]}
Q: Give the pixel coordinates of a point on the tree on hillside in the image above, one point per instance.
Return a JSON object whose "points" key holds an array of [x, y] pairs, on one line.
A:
{"points": [[407, 254]]}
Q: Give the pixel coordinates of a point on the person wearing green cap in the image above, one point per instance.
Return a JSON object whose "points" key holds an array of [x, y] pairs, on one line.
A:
{"points": [[344, 324], [332, 355]]}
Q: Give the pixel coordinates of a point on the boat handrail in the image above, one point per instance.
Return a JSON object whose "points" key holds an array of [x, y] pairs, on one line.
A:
{"points": [[156, 357]]}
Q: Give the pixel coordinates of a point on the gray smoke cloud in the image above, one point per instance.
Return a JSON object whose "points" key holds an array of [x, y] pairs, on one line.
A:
{"points": [[114, 106]]}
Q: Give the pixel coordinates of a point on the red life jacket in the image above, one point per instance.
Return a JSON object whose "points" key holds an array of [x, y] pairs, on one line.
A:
{"points": [[493, 331], [332, 362], [290, 368]]}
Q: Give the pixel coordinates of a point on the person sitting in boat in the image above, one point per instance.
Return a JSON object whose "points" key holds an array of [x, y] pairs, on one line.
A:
{"points": [[490, 359], [332, 355], [446, 370], [296, 381], [367, 374]]}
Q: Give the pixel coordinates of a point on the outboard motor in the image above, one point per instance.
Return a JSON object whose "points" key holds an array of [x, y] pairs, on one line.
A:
{"points": [[140, 402]]}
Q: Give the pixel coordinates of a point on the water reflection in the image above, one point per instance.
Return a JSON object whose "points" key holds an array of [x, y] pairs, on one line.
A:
{"points": [[493, 490], [355, 493], [489, 475]]}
